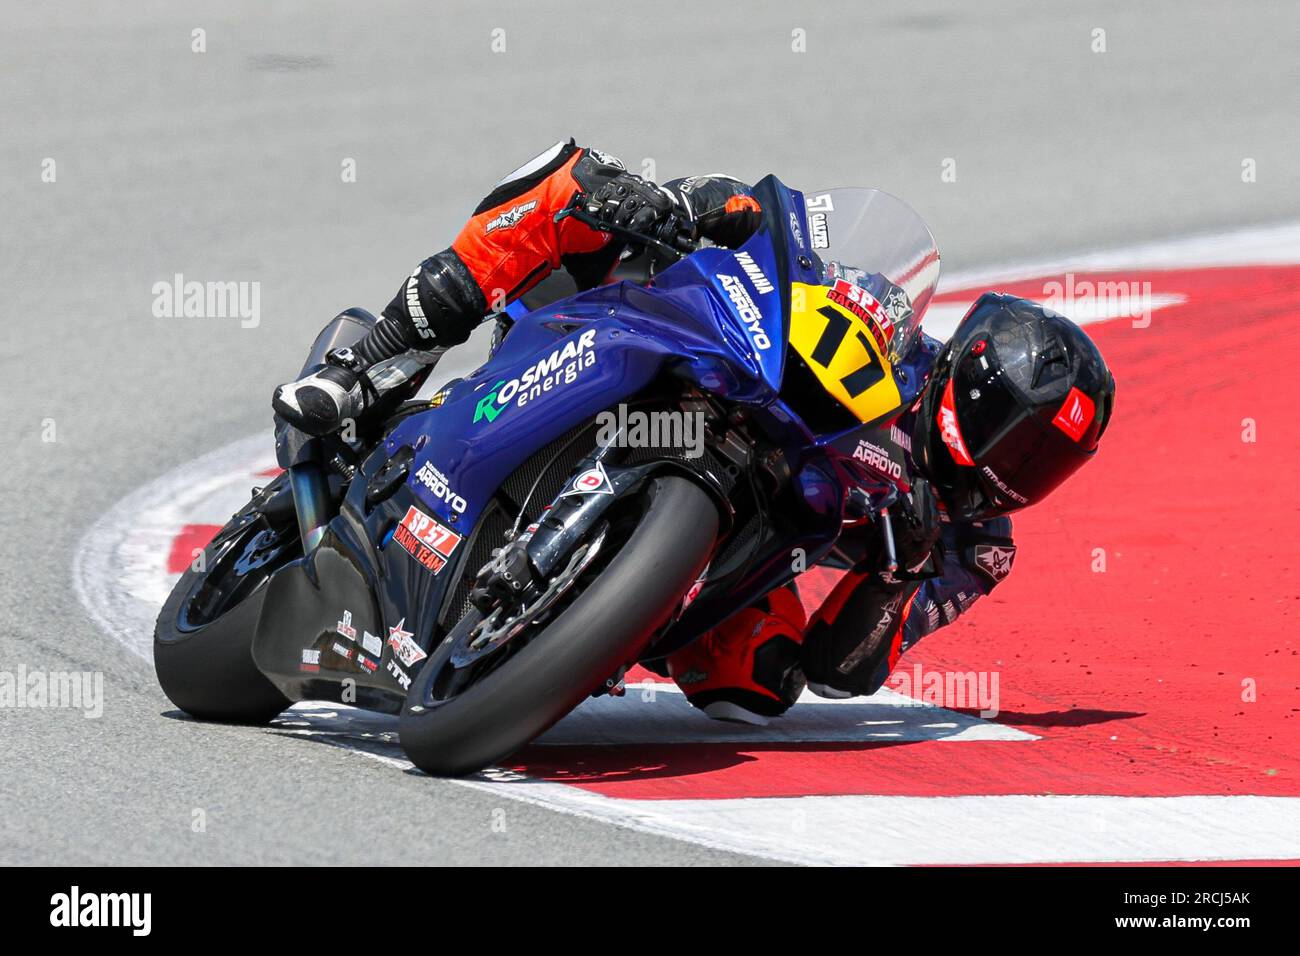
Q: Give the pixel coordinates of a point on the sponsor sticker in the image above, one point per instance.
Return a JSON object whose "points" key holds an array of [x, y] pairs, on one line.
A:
{"points": [[511, 217], [746, 309], [402, 677], [310, 660], [879, 459], [426, 539], [995, 560], [901, 438], [950, 431], [372, 643], [437, 484], [403, 644], [864, 305], [751, 268], [561, 367], [1075, 415], [593, 481], [345, 628], [897, 306], [794, 228], [821, 233]]}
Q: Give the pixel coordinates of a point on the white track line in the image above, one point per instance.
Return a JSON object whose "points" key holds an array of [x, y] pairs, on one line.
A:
{"points": [[110, 571]]}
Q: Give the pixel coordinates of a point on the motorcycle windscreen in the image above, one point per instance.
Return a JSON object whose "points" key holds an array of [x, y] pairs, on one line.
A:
{"points": [[876, 251], [878, 266]]}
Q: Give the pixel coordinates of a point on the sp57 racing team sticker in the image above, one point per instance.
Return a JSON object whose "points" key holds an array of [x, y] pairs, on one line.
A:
{"points": [[426, 539]]}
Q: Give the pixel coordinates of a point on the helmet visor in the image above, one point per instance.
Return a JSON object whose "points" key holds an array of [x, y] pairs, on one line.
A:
{"points": [[1019, 458]]}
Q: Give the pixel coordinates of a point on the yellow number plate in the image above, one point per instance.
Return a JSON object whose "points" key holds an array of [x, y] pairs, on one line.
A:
{"points": [[832, 330]]}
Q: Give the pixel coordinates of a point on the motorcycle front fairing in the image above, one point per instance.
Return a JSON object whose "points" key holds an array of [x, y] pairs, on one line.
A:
{"points": [[800, 524]]}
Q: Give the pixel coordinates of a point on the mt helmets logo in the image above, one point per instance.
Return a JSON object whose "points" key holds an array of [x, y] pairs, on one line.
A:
{"points": [[561, 367]]}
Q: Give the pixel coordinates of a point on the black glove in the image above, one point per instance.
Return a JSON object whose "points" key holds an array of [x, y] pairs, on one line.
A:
{"points": [[724, 209], [848, 643], [914, 519], [631, 202]]}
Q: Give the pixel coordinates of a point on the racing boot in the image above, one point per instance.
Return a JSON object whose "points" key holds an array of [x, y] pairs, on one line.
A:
{"points": [[436, 308], [746, 670], [351, 383], [326, 397]]}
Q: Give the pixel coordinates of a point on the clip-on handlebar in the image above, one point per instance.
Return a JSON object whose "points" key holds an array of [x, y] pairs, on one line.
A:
{"points": [[672, 241]]}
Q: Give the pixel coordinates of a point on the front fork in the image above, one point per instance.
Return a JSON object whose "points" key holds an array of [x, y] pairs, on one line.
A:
{"points": [[311, 502]]}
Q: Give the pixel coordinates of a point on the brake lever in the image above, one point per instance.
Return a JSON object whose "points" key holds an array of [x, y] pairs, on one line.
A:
{"points": [[891, 553], [878, 511]]}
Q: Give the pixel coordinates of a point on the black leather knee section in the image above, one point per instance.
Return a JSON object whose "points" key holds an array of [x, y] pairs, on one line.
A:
{"points": [[439, 305], [845, 653]]}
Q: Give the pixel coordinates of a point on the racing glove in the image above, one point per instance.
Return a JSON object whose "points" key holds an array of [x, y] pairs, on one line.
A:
{"points": [[856, 637], [631, 202], [915, 524], [722, 208]]}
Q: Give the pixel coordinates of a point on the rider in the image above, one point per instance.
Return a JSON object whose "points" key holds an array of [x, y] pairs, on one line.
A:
{"points": [[1016, 402]]}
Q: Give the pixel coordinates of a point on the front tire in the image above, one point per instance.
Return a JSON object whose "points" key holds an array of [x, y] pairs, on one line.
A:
{"points": [[604, 628], [202, 648]]}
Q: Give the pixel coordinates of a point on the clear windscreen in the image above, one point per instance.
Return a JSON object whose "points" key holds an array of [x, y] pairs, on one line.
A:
{"points": [[879, 245]]}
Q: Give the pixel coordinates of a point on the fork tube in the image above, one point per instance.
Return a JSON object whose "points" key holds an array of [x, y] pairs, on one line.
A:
{"points": [[311, 501]]}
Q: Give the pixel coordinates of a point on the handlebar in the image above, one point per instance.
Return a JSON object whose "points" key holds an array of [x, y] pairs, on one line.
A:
{"points": [[672, 240]]}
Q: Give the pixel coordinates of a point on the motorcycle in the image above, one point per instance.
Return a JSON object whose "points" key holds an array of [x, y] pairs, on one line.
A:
{"points": [[483, 561]]}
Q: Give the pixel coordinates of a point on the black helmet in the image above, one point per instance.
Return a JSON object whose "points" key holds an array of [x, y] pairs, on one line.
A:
{"points": [[1017, 401]]}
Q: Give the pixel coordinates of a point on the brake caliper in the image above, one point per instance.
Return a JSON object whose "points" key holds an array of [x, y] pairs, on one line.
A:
{"points": [[506, 579]]}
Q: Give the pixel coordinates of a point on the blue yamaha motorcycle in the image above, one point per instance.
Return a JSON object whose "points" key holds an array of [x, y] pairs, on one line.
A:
{"points": [[482, 561]]}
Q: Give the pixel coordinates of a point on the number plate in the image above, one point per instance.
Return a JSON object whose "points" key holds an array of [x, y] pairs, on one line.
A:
{"points": [[843, 336]]}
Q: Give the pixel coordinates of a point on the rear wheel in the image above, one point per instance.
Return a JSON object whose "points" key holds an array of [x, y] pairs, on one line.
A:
{"points": [[203, 639], [470, 707]]}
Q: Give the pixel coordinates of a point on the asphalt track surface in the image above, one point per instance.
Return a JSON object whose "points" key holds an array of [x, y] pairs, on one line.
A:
{"points": [[226, 166]]}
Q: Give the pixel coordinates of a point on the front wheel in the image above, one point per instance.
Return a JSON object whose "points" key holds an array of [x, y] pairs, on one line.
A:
{"points": [[456, 722], [203, 640]]}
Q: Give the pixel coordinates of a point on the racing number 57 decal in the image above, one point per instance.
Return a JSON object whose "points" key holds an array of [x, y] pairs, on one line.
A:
{"points": [[425, 539]]}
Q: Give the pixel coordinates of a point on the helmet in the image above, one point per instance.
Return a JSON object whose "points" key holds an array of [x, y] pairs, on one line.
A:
{"points": [[1015, 404]]}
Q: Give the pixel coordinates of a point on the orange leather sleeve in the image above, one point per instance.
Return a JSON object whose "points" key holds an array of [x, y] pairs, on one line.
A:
{"points": [[512, 246]]}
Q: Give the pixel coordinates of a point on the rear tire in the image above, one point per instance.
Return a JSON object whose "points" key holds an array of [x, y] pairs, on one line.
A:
{"points": [[605, 627]]}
